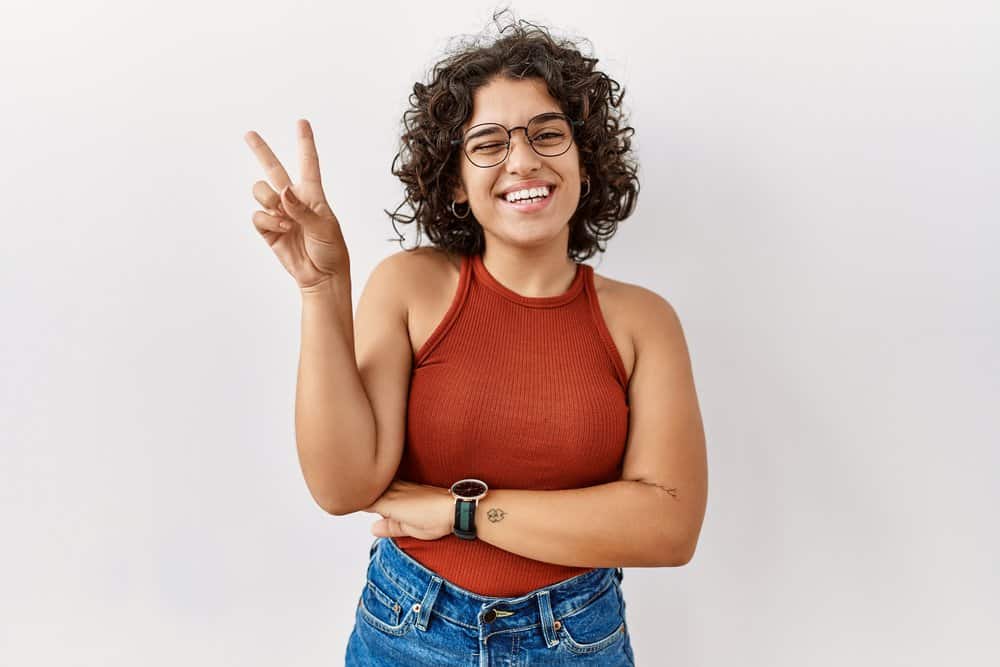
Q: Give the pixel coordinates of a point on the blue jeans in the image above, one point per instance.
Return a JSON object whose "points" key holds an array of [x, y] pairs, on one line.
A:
{"points": [[410, 615]]}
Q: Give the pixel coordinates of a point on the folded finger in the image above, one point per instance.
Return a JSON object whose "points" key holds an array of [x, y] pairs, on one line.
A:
{"points": [[265, 222], [267, 197]]}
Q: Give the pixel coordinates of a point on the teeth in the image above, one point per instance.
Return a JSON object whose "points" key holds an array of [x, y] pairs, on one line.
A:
{"points": [[530, 193]]}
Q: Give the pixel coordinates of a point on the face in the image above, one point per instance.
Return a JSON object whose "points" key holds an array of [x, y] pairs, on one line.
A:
{"points": [[513, 103]]}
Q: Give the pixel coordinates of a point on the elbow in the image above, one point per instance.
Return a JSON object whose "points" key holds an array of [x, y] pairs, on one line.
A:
{"points": [[342, 500], [684, 556], [336, 510], [341, 508], [684, 551], [336, 506], [676, 551]]}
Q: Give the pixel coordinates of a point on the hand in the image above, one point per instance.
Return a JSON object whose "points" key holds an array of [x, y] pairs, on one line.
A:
{"points": [[413, 510], [312, 249]]}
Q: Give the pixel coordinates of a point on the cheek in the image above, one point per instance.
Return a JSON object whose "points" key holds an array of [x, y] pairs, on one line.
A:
{"points": [[479, 187]]}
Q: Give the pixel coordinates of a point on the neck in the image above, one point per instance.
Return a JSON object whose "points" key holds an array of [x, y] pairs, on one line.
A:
{"points": [[532, 274]]}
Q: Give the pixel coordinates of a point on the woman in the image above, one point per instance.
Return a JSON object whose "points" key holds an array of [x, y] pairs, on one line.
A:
{"points": [[551, 427]]}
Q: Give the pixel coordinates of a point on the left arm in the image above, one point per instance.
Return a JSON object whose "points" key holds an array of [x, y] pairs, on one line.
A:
{"points": [[619, 524]]}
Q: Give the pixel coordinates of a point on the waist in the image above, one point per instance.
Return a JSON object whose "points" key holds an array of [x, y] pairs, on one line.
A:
{"points": [[471, 609], [482, 568]]}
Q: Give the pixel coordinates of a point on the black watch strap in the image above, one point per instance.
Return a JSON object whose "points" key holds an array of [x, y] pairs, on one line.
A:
{"points": [[465, 519]]}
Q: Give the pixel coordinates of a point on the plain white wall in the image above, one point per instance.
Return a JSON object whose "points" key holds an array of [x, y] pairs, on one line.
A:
{"points": [[819, 203]]}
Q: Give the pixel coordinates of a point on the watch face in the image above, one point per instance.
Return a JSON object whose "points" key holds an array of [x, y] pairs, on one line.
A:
{"points": [[468, 488]]}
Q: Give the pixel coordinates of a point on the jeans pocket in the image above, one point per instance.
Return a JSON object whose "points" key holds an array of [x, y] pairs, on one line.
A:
{"points": [[596, 626], [384, 605]]}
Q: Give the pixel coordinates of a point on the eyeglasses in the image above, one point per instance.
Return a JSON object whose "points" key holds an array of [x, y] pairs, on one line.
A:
{"points": [[488, 144]]}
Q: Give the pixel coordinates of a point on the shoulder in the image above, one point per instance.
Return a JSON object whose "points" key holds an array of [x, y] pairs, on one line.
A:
{"points": [[421, 258], [416, 268], [644, 313], [425, 275], [441, 258]]}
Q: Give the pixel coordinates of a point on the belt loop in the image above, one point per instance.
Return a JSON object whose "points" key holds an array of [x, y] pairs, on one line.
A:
{"points": [[545, 609], [620, 573], [371, 551], [428, 602]]}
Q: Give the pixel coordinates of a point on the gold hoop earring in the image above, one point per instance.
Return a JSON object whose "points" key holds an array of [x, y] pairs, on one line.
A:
{"points": [[455, 213]]}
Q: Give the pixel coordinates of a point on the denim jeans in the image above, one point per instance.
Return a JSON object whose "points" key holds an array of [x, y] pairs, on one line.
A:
{"points": [[410, 615]]}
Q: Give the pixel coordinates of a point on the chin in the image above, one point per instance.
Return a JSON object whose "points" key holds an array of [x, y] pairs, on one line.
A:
{"points": [[533, 233]]}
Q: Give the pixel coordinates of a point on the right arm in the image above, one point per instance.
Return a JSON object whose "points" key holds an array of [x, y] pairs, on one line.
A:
{"points": [[353, 382]]}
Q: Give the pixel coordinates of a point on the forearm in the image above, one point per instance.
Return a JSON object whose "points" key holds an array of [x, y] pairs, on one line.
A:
{"points": [[334, 423], [618, 524]]}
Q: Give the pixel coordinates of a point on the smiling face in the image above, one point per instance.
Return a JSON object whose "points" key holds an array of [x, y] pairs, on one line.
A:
{"points": [[513, 103]]}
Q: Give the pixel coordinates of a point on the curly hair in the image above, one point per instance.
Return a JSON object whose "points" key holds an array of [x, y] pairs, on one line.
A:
{"points": [[430, 163]]}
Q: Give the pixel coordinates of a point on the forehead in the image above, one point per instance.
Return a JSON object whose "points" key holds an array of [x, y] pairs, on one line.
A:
{"points": [[510, 102]]}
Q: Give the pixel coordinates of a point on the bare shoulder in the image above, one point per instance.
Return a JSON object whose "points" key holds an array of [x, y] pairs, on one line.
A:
{"points": [[615, 299], [428, 278], [654, 314], [421, 269], [656, 326], [421, 258], [637, 312]]}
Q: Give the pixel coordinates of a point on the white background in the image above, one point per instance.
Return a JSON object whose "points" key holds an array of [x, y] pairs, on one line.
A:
{"points": [[819, 203]]}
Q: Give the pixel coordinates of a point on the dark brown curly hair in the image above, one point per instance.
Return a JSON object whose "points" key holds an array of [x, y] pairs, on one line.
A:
{"points": [[430, 163]]}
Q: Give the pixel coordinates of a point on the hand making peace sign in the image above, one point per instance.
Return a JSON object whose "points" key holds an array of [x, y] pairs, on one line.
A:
{"points": [[312, 246]]}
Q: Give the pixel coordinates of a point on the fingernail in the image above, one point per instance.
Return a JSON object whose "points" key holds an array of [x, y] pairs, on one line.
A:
{"points": [[291, 195]]}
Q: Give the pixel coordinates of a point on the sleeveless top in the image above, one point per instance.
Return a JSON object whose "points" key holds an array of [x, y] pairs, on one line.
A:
{"points": [[522, 393]]}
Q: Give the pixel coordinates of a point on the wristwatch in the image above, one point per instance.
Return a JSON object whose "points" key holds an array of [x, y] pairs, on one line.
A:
{"points": [[467, 493]]}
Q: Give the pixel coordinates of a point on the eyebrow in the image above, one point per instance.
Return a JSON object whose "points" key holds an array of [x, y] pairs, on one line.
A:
{"points": [[487, 130]]}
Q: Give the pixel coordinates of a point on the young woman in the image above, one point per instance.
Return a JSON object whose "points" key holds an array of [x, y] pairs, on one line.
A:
{"points": [[525, 427]]}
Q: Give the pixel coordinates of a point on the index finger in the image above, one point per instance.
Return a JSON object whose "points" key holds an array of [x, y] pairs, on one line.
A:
{"points": [[272, 166], [308, 157]]}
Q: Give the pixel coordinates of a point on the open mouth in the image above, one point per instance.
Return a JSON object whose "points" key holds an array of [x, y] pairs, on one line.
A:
{"points": [[529, 205]]}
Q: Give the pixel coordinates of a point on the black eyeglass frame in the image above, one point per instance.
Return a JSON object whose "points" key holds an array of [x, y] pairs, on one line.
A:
{"points": [[510, 133]]}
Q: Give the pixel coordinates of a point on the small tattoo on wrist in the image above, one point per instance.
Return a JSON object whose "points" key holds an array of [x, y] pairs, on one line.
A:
{"points": [[495, 514]]}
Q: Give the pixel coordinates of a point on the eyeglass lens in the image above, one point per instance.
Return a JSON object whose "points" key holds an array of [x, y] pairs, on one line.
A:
{"points": [[487, 144]]}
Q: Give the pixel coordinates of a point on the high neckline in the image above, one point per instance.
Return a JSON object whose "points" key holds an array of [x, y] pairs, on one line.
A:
{"points": [[486, 278]]}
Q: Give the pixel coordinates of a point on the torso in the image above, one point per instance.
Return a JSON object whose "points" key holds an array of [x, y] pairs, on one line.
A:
{"points": [[438, 273]]}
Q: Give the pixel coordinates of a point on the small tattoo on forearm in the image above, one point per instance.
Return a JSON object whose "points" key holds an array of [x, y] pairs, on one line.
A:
{"points": [[495, 514], [672, 492]]}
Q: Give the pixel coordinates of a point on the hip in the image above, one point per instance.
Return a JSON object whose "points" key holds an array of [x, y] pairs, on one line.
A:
{"points": [[410, 615]]}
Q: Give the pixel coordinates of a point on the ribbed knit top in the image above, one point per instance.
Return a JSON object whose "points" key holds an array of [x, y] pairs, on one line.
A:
{"points": [[522, 393]]}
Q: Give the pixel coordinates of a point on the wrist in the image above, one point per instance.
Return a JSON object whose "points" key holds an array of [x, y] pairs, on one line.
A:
{"points": [[332, 288], [467, 494], [447, 513]]}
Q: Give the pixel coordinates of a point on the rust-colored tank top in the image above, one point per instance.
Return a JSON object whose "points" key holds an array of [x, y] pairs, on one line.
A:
{"points": [[522, 393]]}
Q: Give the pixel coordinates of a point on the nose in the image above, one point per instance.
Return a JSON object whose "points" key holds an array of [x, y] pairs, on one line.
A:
{"points": [[522, 156]]}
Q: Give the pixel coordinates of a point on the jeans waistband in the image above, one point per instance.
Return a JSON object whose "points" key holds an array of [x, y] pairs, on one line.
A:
{"points": [[459, 605]]}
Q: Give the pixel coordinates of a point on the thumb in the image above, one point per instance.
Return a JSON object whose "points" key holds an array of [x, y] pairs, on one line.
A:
{"points": [[295, 209]]}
